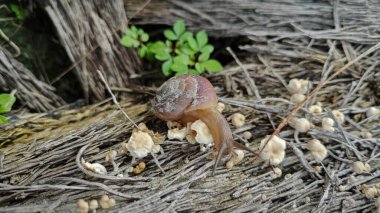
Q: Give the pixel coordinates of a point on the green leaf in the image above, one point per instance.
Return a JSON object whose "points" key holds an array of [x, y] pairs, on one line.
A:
{"points": [[6, 102], [207, 49], [179, 27], [166, 67], [203, 57], [144, 37], [212, 65], [149, 53], [192, 43], [134, 29], [131, 33], [187, 50], [169, 34], [201, 39], [179, 68], [3, 119], [129, 42], [194, 72], [20, 15], [157, 47], [140, 31], [181, 59], [168, 44], [199, 68], [163, 56], [183, 37], [142, 51]]}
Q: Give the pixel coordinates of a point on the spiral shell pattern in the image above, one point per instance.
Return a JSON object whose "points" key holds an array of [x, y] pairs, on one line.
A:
{"points": [[182, 94]]}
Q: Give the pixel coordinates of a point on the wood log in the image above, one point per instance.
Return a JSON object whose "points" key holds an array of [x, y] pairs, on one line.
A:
{"points": [[31, 92], [90, 33], [354, 21]]}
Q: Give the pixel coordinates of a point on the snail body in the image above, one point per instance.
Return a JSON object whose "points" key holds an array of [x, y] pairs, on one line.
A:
{"points": [[187, 98]]}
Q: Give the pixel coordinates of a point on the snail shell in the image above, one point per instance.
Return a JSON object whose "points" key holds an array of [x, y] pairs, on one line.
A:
{"points": [[183, 94]]}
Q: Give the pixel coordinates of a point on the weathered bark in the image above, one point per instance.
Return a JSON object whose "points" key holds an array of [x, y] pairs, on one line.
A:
{"points": [[33, 93], [90, 33], [358, 20]]}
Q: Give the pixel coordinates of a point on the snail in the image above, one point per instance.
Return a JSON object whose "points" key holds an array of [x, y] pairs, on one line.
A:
{"points": [[187, 98]]}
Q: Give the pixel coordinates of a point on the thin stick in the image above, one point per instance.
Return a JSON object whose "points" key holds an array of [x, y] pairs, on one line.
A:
{"points": [[114, 99], [251, 82], [285, 121]]}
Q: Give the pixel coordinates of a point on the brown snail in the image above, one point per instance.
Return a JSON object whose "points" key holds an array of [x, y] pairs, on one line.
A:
{"points": [[187, 98]]}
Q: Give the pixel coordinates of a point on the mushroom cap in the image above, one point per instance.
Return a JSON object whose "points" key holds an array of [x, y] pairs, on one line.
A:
{"points": [[203, 134], [140, 144], [181, 94]]}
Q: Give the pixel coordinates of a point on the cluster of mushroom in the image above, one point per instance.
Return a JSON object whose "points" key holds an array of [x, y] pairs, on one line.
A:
{"points": [[141, 143], [359, 168], [298, 88], [105, 202]]}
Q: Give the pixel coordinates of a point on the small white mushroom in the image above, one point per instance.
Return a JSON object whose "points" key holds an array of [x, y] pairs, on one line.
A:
{"points": [[297, 98], [94, 167], [328, 124], [237, 119], [277, 171], [358, 167], [177, 133], [173, 124], [106, 202], [94, 204], [220, 107], [372, 111], [370, 192], [318, 150], [288, 176], [156, 148], [315, 109], [338, 116], [366, 134], [140, 144], [247, 135], [298, 86], [236, 158], [274, 151], [203, 134], [300, 124], [82, 206], [367, 167], [110, 155], [317, 169], [307, 199], [351, 178]]}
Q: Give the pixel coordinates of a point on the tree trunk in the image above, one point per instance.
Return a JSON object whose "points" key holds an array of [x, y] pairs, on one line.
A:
{"points": [[354, 21], [33, 93], [90, 33]]}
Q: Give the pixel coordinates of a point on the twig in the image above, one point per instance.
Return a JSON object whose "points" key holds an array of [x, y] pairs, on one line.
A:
{"points": [[349, 144], [115, 100], [106, 177], [251, 82], [13, 45]]}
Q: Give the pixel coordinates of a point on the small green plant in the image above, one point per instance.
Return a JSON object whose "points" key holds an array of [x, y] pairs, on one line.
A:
{"points": [[19, 12], [6, 103], [181, 52]]}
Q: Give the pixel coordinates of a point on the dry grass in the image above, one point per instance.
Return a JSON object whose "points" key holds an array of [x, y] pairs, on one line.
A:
{"points": [[41, 170]]}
